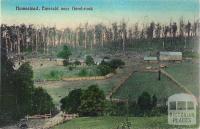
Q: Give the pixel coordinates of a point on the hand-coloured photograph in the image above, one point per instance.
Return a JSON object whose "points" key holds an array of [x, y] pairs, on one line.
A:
{"points": [[100, 64]]}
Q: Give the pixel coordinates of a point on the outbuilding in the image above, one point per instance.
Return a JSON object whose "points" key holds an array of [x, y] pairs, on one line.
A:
{"points": [[150, 59], [170, 56], [59, 62]]}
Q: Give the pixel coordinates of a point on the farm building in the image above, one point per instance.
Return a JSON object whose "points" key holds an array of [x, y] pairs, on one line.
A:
{"points": [[82, 62], [59, 62], [170, 56], [150, 59], [98, 60]]}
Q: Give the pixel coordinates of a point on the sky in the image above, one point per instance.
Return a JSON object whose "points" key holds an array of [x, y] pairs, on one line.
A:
{"points": [[104, 11]]}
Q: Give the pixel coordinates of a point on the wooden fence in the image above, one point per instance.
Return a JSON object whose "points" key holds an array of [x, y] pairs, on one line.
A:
{"points": [[119, 100], [58, 119], [70, 116], [45, 116], [118, 86], [88, 78]]}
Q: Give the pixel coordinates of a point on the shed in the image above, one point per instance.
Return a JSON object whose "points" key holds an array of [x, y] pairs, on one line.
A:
{"points": [[170, 56], [98, 60], [59, 61], [82, 62], [150, 59]]}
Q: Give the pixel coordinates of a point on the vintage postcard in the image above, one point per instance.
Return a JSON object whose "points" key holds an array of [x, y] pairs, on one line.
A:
{"points": [[99, 64]]}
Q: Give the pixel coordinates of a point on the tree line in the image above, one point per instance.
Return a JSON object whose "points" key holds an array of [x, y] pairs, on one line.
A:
{"points": [[22, 38]]}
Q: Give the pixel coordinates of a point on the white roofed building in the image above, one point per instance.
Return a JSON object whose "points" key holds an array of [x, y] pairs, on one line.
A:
{"points": [[170, 56]]}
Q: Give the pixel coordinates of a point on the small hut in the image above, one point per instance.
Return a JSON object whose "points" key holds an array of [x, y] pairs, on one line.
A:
{"points": [[150, 59], [59, 62], [98, 60]]}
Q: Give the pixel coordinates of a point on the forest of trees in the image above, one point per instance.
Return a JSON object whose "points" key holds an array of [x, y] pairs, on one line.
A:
{"points": [[29, 38]]}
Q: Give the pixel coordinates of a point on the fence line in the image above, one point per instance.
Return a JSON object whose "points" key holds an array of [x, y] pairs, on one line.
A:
{"points": [[118, 86], [39, 116], [58, 119], [88, 78]]}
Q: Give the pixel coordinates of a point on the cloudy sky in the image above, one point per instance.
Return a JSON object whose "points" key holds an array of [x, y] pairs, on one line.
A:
{"points": [[105, 11]]}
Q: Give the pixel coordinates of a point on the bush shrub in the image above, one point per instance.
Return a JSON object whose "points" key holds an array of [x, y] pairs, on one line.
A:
{"points": [[92, 102], [54, 74], [144, 106], [104, 70], [65, 53], [144, 102], [42, 102], [89, 60], [71, 103], [66, 62], [77, 62], [116, 63], [83, 72], [89, 102]]}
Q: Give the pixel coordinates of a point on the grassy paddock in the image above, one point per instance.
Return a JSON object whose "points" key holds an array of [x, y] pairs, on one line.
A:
{"points": [[186, 73], [147, 81], [57, 72]]}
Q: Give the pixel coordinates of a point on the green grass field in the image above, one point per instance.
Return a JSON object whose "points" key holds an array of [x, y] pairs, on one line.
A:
{"points": [[108, 122], [147, 81], [57, 72], [186, 73]]}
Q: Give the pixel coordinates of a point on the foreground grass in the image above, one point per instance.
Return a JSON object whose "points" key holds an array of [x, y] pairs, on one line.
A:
{"points": [[147, 81], [108, 122], [186, 73]]}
